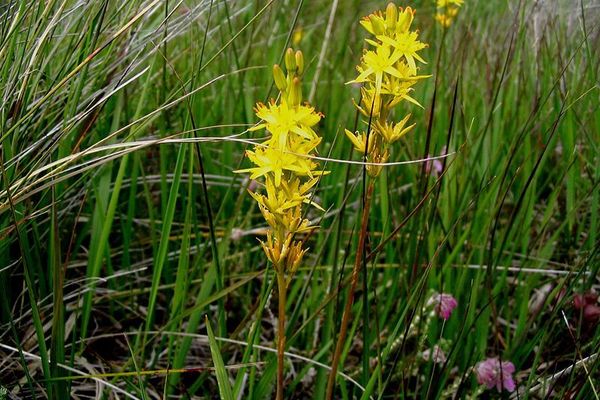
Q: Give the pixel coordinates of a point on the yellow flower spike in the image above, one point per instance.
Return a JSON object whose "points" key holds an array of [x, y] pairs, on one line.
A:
{"points": [[387, 73], [286, 163], [290, 60], [299, 62], [279, 78]]}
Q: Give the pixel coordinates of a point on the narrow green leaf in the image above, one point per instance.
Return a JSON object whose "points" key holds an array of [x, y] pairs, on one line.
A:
{"points": [[225, 390]]}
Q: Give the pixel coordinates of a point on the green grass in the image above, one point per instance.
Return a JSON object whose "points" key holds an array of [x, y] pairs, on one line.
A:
{"points": [[122, 223]]}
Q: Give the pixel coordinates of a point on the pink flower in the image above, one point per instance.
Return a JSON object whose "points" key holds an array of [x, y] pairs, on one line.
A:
{"points": [[493, 373], [443, 304], [436, 354], [436, 165], [236, 234], [253, 185], [588, 302], [582, 300]]}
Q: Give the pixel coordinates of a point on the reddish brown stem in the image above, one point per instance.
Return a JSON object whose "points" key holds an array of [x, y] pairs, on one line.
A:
{"points": [[282, 288], [350, 300]]}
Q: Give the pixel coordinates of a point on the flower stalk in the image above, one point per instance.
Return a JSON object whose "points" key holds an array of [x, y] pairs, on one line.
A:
{"points": [[284, 165], [387, 72]]}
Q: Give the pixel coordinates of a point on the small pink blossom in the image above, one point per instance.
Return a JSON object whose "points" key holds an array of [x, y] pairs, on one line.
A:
{"points": [[493, 373], [433, 165], [236, 234], [253, 185], [588, 302], [436, 166], [435, 354], [558, 149], [443, 304]]}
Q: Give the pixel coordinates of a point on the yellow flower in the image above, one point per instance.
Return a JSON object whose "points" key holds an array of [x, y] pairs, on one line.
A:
{"points": [[407, 45], [370, 107], [280, 120], [375, 64], [284, 254], [392, 132], [290, 194], [359, 140], [269, 160], [399, 89], [277, 201]]}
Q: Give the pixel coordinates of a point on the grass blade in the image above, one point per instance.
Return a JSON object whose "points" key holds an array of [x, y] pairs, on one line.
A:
{"points": [[225, 391]]}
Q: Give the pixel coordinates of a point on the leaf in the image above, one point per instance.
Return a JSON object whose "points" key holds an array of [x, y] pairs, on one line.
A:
{"points": [[225, 391]]}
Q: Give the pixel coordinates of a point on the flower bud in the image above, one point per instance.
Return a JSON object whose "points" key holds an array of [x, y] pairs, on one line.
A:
{"points": [[295, 93], [378, 25], [290, 60], [280, 81], [297, 36], [300, 62], [391, 15], [405, 19]]}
